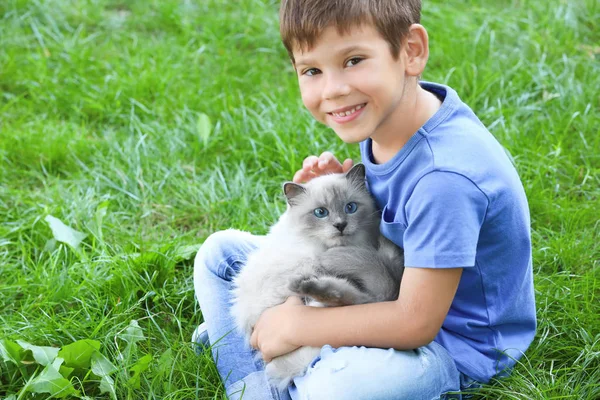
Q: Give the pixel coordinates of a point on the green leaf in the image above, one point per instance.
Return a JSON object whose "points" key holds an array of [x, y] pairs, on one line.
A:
{"points": [[43, 355], [79, 354], [11, 351], [184, 253], [101, 366], [140, 366], [165, 362], [101, 212], [133, 333], [107, 385], [50, 245], [63, 233], [66, 371], [52, 382], [204, 128]]}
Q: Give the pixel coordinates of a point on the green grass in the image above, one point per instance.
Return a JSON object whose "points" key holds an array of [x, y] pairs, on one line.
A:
{"points": [[103, 103]]}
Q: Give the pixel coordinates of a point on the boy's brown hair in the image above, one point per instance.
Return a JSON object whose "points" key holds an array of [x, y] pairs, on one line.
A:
{"points": [[302, 21]]}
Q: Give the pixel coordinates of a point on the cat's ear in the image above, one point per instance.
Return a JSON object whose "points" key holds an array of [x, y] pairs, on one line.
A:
{"points": [[357, 174], [291, 190]]}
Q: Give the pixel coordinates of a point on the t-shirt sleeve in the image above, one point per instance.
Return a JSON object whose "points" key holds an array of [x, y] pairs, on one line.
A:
{"points": [[444, 214]]}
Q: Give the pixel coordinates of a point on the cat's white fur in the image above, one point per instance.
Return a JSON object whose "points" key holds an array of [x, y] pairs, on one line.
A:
{"points": [[259, 288], [290, 249]]}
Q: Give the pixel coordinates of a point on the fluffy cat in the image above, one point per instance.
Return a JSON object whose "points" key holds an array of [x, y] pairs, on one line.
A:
{"points": [[326, 248]]}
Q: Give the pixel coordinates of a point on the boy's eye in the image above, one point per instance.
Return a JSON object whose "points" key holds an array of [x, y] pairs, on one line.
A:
{"points": [[353, 61], [311, 72], [321, 212], [350, 208]]}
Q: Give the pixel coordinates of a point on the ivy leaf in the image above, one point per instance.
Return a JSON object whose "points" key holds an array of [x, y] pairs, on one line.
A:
{"points": [[163, 369], [79, 354], [185, 253], [140, 366], [43, 355], [203, 127], [101, 212], [165, 362], [107, 385], [52, 382], [65, 371], [11, 351], [133, 333], [50, 245], [64, 233], [101, 366]]}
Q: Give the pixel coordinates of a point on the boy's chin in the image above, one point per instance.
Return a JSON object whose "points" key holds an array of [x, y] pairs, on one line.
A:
{"points": [[351, 137]]}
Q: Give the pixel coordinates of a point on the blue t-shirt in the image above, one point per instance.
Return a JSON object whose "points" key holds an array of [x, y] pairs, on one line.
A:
{"points": [[452, 198]]}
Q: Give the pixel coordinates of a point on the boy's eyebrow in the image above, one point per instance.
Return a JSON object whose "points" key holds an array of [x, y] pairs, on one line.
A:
{"points": [[341, 52], [302, 61], [350, 49]]}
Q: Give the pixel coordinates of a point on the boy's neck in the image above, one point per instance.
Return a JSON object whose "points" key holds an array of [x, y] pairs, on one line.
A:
{"points": [[417, 107]]}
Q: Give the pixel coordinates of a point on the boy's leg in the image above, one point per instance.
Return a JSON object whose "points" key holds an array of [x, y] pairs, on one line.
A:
{"points": [[359, 373], [217, 262]]}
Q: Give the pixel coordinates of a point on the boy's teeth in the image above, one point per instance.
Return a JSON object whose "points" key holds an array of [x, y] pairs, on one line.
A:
{"points": [[346, 113]]}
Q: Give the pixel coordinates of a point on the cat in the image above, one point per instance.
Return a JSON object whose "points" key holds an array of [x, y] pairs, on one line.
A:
{"points": [[326, 248]]}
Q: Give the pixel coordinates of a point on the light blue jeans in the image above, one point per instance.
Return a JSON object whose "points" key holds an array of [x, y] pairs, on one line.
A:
{"points": [[345, 373]]}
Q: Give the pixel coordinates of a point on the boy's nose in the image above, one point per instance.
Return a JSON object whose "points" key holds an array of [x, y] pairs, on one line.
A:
{"points": [[335, 87]]}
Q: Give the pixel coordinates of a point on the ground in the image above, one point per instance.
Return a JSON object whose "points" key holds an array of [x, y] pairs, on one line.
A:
{"points": [[147, 125]]}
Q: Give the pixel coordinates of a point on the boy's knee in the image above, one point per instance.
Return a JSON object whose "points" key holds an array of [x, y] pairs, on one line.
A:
{"points": [[219, 247], [345, 385], [385, 375]]}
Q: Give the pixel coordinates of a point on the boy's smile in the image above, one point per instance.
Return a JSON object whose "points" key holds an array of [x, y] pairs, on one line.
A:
{"points": [[352, 83], [347, 114]]}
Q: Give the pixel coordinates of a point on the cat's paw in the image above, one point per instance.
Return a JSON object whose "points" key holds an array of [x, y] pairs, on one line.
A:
{"points": [[298, 284], [318, 288]]}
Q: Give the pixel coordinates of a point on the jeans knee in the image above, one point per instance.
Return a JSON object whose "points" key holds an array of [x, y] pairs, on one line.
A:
{"points": [[388, 375], [220, 248], [342, 385]]}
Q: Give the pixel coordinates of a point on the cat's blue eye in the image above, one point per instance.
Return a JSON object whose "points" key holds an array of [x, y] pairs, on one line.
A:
{"points": [[321, 212], [351, 208]]}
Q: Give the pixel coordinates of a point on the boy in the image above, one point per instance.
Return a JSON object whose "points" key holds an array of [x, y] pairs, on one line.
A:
{"points": [[449, 196]]}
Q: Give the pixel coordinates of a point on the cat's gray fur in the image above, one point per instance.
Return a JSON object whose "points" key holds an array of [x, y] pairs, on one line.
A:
{"points": [[310, 257]]}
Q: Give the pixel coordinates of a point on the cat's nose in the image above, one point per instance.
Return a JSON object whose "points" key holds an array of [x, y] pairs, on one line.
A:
{"points": [[340, 226]]}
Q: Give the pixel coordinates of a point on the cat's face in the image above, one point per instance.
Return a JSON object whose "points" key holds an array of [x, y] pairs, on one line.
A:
{"points": [[334, 209]]}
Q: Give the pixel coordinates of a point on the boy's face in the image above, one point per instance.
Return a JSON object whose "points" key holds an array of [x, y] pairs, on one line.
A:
{"points": [[352, 83]]}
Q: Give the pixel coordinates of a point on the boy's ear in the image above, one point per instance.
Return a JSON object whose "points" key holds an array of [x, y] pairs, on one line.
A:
{"points": [[357, 174], [292, 190], [416, 47]]}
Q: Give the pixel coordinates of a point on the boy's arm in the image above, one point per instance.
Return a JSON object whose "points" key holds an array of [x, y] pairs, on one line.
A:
{"points": [[411, 321], [444, 216]]}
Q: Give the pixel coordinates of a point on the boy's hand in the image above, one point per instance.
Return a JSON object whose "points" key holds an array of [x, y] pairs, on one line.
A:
{"points": [[326, 163], [272, 333]]}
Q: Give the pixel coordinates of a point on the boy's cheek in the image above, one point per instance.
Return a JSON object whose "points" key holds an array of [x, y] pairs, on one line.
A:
{"points": [[312, 107], [306, 97], [319, 117]]}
